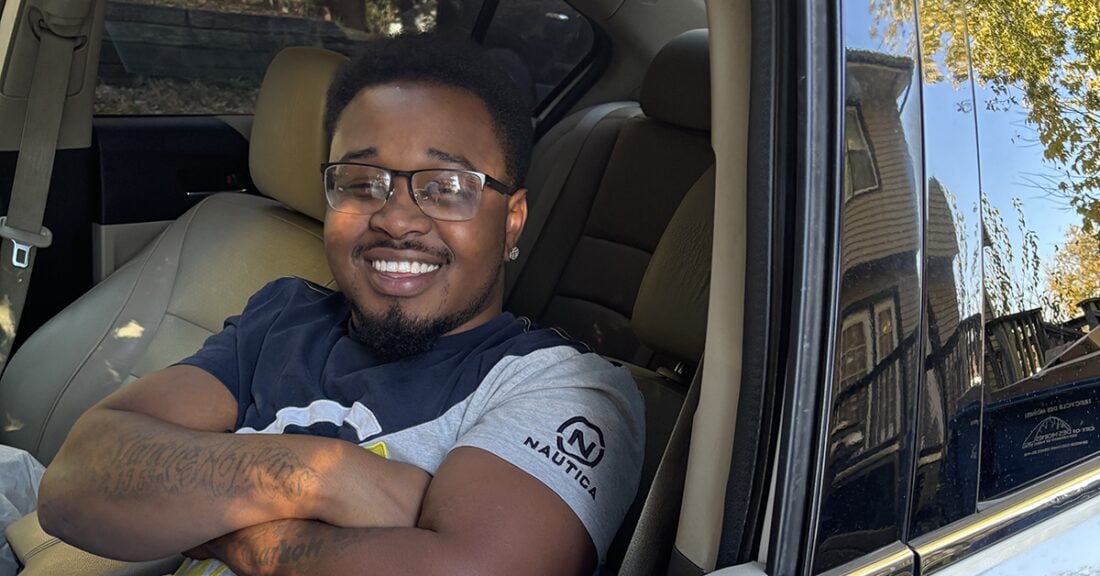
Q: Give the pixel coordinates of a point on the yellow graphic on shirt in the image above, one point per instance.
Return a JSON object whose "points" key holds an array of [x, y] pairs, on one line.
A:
{"points": [[379, 448], [201, 568]]}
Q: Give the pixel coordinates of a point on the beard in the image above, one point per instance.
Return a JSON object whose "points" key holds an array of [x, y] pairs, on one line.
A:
{"points": [[393, 334]]}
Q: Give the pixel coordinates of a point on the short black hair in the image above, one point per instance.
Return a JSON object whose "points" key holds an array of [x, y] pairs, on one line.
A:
{"points": [[446, 61]]}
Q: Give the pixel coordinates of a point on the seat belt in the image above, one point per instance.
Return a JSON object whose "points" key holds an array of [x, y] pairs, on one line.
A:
{"points": [[654, 536], [555, 182], [21, 230]]}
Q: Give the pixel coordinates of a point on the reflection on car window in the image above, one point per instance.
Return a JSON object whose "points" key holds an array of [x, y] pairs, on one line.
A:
{"points": [[948, 427], [540, 42], [209, 56], [869, 455], [1038, 105]]}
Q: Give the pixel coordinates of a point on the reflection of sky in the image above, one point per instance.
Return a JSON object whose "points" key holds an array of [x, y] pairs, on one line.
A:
{"points": [[1013, 155], [1009, 147]]}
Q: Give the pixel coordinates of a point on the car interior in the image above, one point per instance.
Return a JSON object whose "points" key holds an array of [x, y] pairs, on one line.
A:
{"points": [[637, 243]]}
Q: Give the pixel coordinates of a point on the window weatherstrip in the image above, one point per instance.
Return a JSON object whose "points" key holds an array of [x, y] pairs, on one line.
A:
{"points": [[954, 542]]}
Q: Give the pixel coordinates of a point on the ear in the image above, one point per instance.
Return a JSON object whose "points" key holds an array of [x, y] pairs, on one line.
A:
{"points": [[517, 217]]}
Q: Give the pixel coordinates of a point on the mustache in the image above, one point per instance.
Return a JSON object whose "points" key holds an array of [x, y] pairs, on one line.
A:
{"points": [[442, 254]]}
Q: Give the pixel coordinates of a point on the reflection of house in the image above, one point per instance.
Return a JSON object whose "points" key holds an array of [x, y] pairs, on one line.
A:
{"points": [[880, 254], [880, 337], [880, 288]]}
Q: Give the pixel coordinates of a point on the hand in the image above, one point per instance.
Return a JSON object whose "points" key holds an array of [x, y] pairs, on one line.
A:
{"points": [[368, 491], [282, 546]]}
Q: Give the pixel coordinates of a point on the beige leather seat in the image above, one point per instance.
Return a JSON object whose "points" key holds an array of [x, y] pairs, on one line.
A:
{"points": [[162, 305], [584, 272]]}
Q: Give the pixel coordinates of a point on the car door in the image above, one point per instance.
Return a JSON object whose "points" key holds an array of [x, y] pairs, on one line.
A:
{"points": [[956, 405]]}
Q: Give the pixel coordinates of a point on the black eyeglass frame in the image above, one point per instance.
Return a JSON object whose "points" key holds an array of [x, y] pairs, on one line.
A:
{"points": [[486, 180]]}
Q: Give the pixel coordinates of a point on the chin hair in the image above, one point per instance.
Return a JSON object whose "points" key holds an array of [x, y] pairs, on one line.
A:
{"points": [[393, 335]]}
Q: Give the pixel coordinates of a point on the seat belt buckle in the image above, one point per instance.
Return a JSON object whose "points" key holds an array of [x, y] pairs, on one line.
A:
{"points": [[23, 242]]}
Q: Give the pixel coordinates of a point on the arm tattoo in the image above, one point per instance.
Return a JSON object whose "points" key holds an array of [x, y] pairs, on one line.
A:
{"points": [[143, 464], [290, 546]]}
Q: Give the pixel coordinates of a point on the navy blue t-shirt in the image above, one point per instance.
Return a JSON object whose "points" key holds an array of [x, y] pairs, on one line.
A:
{"points": [[542, 402]]}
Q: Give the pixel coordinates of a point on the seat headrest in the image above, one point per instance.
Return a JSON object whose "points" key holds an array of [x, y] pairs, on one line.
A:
{"points": [[676, 88], [670, 312], [288, 140]]}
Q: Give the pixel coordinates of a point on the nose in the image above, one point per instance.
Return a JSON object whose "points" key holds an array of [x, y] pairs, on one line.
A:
{"points": [[400, 216]]}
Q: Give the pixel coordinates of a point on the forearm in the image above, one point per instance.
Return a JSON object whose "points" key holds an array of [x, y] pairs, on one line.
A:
{"points": [[305, 548], [133, 487]]}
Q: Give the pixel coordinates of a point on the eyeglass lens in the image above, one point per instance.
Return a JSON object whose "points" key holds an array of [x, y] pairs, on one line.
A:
{"points": [[451, 195]]}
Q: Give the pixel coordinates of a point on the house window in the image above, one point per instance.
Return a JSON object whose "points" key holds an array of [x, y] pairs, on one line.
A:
{"points": [[856, 347], [886, 334], [859, 175]]}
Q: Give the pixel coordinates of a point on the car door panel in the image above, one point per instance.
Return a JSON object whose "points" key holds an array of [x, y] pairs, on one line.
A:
{"points": [[156, 167], [152, 169]]}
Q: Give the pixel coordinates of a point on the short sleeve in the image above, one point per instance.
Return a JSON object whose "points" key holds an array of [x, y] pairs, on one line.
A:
{"points": [[231, 355], [574, 422]]}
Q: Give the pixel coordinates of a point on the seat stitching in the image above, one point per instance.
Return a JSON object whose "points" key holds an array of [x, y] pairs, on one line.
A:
{"points": [[579, 298], [53, 541], [610, 241], [298, 226]]}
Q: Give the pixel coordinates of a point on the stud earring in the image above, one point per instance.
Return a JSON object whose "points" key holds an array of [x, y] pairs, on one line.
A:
{"points": [[513, 254]]}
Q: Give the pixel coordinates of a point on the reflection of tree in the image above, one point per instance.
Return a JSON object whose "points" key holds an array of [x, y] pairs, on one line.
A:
{"points": [[1074, 275], [1012, 269], [966, 264], [1043, 56]]}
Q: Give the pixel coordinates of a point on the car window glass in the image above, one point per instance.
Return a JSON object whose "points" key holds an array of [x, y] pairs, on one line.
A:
{"points": [[877, 342], [1037, 76], [948, 426], [209, 56], [541, 43]]}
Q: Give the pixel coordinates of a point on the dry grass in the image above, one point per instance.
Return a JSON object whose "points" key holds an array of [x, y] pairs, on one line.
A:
{"points": [[171, 96]]}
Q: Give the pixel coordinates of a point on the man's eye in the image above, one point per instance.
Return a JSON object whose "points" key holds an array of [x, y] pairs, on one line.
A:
{"points": [[365, 188]]}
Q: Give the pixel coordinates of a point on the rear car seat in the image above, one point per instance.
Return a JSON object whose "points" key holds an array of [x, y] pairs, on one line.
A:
{"points": [[586, 266]]}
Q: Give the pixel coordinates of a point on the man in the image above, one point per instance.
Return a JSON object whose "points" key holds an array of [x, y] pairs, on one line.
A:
{"points": [[404, 425]]}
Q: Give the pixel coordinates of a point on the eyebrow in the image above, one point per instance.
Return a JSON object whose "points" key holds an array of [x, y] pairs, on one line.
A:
{"points": [[452, 158], [363, 154]]}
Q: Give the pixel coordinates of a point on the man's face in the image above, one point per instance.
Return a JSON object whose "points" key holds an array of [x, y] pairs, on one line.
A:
{"points": [[413, 126]]}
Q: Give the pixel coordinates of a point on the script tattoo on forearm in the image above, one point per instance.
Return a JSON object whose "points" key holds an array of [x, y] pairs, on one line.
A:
{"points": [[142, 464], [286, 546]]}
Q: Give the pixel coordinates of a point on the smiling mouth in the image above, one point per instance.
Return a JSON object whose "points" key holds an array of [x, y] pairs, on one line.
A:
{"points": [[403, 267]]}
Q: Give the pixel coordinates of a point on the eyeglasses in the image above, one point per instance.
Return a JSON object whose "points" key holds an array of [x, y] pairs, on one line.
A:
{"points": [[450, 195]]}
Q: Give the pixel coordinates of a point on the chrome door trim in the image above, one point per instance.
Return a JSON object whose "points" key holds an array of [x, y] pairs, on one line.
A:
{"points": [[948, 545], [896, 559]]}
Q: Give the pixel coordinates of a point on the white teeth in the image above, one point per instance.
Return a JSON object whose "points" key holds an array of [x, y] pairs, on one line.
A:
{"points": [[404, 267]]}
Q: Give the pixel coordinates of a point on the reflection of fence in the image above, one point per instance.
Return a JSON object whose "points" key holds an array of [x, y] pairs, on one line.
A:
{"points": [[958, 361], [869, 413], [1091, 308], [1016, 347]]}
